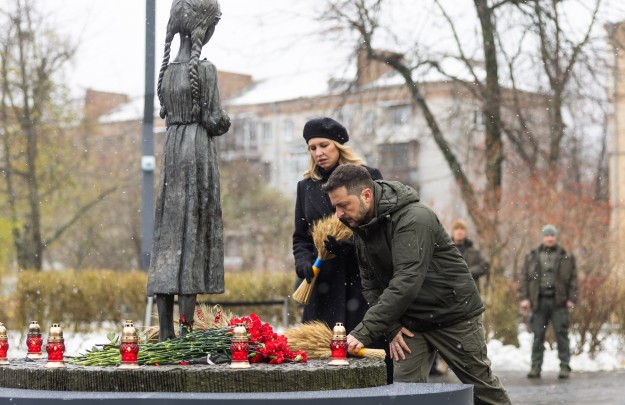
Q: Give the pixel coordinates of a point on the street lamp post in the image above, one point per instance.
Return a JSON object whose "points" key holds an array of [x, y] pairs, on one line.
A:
{"points": [[147, 148]]}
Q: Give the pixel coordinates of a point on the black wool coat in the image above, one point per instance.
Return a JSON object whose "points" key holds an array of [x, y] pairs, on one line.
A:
{"points": [[478, 266], [337, 295]]}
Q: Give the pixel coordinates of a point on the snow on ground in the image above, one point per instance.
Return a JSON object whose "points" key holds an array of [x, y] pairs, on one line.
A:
{"points": [[510, 358], [75, 343], [503, 357]]}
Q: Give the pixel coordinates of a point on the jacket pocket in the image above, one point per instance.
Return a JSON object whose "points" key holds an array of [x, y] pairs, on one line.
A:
{"points": [[473, 342]]}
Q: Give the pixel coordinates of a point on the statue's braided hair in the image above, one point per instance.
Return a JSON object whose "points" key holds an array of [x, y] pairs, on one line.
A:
{"points": [[194, 18], [168, 38], [196, 49]]}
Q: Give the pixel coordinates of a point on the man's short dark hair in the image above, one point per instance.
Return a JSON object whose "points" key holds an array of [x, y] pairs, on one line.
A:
{"points": [[353, 178]]}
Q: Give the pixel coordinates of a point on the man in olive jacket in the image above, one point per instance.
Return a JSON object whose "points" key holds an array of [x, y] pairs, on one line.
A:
{"points": [[421, 294], [548, 286]]}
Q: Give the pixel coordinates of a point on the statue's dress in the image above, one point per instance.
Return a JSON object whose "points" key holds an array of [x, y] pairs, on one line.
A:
{"points": [[188, 253]]}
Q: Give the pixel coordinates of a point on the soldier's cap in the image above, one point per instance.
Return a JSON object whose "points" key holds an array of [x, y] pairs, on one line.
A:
{"points": [[549, 230]]}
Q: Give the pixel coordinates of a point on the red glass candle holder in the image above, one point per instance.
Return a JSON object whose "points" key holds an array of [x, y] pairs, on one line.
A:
{"points": [[338, 346], [129, 351], [240, 351], [239, 347], [4, 345], [4, 348], [55, 347], [129, 347], [34, 341], [55, 351]]}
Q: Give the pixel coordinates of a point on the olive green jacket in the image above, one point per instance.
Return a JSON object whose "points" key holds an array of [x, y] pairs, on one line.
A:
{"points": [[565, 278], [412, 274]]}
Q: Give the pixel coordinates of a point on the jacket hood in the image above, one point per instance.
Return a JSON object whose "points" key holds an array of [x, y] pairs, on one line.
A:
{"points": [[389, 197]]}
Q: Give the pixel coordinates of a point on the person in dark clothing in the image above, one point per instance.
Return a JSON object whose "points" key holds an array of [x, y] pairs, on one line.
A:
{"points": [[421, 293], [548, 287], [337, 295], [477, 265]]}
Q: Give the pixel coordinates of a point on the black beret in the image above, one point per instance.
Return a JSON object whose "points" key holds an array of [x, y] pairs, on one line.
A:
{"points": [[325, 128]]}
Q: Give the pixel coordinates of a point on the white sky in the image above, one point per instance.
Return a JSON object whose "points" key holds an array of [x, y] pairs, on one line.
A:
{"points": [[264, 38]]}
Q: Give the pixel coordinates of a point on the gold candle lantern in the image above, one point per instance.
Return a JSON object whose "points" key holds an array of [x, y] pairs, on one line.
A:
{"points": [[4, 345], [55, 347], [338, 346], [239, 347], [34, 341], [129, 347]]}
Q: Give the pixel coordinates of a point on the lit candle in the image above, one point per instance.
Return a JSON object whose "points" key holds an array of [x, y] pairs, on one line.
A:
{"points": [[129, 348], [34, 341], [55, 346], [239, 347], [338, 346], [4, 345]]}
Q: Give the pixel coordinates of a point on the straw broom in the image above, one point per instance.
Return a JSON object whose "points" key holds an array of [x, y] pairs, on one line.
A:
{"points": [[323, 227], [314, 338]]}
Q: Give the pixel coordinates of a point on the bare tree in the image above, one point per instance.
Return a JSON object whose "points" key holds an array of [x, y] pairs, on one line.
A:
{"points": [[35, 113], [561, 52], [362, 16]]}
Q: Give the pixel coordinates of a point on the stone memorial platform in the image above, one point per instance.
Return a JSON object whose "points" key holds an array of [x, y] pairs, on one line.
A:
{"points": [[363, 382], [315, 375]]}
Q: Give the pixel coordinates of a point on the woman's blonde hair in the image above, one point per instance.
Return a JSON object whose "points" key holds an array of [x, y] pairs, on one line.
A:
{"points": [[346, 156]]}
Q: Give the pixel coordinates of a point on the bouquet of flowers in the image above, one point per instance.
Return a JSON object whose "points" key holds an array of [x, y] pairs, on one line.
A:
{"points": [[214, 340], [272, 347], [322, 228]]}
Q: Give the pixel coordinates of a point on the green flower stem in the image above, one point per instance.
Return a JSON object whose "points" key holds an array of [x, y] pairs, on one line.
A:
{"points": [[191, 346]]}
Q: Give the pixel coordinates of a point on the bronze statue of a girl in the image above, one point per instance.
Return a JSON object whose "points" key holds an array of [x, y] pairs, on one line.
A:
{"points": [[188, 254]]}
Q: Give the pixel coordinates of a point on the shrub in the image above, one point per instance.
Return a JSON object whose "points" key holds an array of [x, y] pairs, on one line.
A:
{"points": [[81, 300], [619, 308], [596, 309], [258, 286], [500, 317]]}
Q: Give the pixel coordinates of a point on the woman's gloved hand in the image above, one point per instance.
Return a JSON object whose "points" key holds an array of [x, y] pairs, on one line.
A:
{"points": [[304, 270]]}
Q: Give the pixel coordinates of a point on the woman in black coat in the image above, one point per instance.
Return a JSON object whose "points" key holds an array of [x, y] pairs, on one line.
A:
{"points": [[337, 295]]}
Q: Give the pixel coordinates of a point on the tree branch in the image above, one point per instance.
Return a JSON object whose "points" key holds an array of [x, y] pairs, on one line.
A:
{"points": [[77, 215], [463, 57]]}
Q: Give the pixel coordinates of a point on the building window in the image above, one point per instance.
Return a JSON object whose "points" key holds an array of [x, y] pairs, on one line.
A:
{"points": [[394, 155], [400, 114], [266, 133], [398, 161], [344, 117], [250, 134], [288, 130], [369, 122], [479, 119]]}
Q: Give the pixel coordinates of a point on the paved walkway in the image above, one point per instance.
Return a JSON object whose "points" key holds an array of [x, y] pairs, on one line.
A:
{"points": [[596, 388]]}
